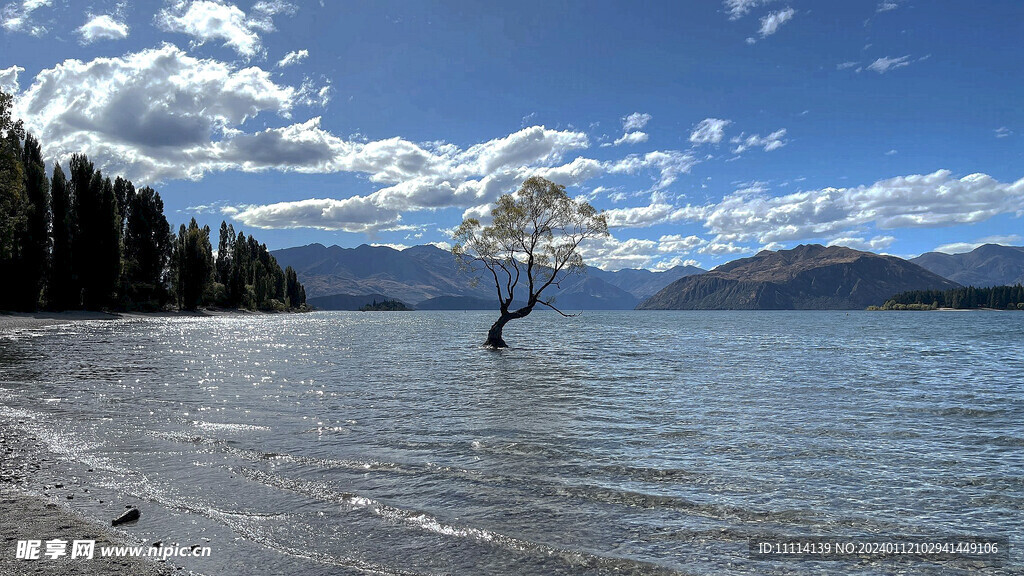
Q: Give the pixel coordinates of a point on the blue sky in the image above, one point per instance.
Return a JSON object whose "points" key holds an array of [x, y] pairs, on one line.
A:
{"points": [[707, 130]]}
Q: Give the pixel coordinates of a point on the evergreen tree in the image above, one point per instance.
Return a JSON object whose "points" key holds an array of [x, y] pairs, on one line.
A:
{"points": [[225, 247], [148, 245], [35, 240], [295, 295], [60, 294], [13, 203], [194, 259]]}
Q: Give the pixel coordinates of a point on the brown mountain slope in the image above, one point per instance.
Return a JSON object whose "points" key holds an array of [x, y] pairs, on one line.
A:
{"points": [[808, 277]]}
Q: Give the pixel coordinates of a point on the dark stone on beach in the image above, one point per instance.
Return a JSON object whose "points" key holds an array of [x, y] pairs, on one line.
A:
{"points": [[130, 515]]}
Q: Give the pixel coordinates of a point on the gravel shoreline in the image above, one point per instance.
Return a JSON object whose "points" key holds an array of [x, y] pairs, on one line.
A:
{"points": [[25, 515]]}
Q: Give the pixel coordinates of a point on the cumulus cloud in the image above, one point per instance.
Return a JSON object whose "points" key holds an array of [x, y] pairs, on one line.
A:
{"points": [[213, 20], [631, 126], [610, 253], [153, 114], [631, 138], [355, 214], [709, 130], [293, 58], [676, 261], [770, 24], [751, 215], [773, 141], [635, 121], [885, 64], [17, 16], [961, 247], [102, 27], [915, 201], [679, 244], [9, 79]]}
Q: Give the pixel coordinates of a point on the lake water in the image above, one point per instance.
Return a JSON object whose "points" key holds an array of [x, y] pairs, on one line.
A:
{"points": [[615, 442]]}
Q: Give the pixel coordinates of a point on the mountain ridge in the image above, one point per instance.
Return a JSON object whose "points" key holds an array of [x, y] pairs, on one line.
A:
{"points": [[810, 276], [985, 266], [430, 275]]}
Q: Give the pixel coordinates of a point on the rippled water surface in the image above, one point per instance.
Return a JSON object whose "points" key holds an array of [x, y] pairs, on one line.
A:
{"points": [[616, 442]]}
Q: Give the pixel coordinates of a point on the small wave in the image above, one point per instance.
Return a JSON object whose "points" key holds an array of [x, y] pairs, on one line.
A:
{"points": [[427, 522], [227, 426]]}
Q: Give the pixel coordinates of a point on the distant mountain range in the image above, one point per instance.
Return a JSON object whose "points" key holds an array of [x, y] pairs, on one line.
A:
{"points": [[427, 277], [987, 265], [809, 276], [806, 277]]}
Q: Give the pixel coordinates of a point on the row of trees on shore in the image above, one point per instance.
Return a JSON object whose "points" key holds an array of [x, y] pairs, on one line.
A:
{"points": [[79, 240], [970, 297]]}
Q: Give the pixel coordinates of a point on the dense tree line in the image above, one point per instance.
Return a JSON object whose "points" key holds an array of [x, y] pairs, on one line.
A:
{"points": [[996, 297], [83, 241]]}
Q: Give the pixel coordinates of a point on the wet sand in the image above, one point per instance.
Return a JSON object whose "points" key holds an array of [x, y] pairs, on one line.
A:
{"points": [[25, 515]]}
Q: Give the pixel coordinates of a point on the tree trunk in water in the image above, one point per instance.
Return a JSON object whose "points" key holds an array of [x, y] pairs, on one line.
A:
{"points": [[494, 339]]}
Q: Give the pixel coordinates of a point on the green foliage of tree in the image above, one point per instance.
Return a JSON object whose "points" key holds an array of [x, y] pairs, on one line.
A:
{"points": [[14, 203], [35, 238], [193, 259], [60, 292], [966, 298], [385, 306], [148, 246], [531, 244]]}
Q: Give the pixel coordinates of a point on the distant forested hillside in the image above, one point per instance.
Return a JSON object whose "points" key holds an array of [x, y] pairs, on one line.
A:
{"points": [[996, 297]]}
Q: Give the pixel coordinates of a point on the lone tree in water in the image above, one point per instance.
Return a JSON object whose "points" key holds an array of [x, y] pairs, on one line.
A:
{"points": [[531, 244]]}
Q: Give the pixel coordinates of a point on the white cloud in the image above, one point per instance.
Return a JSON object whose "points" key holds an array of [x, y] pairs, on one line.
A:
{"points": [[770, 24], [773, 141], [887, 6], [160, 113], [293, 58], [884, 64], [1001, 132], [391, 245], [676, 261], [17, 16], [960, 247], [102, 27], [631, 138], [892, 152], [9, 79], [679, 244], [739, 8], [858, 243], [709, 130], [355, 214], [635, 121], [206, 20], [610, 253], [719, 248], [916, 201], [669, 164], [847, 65]]}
